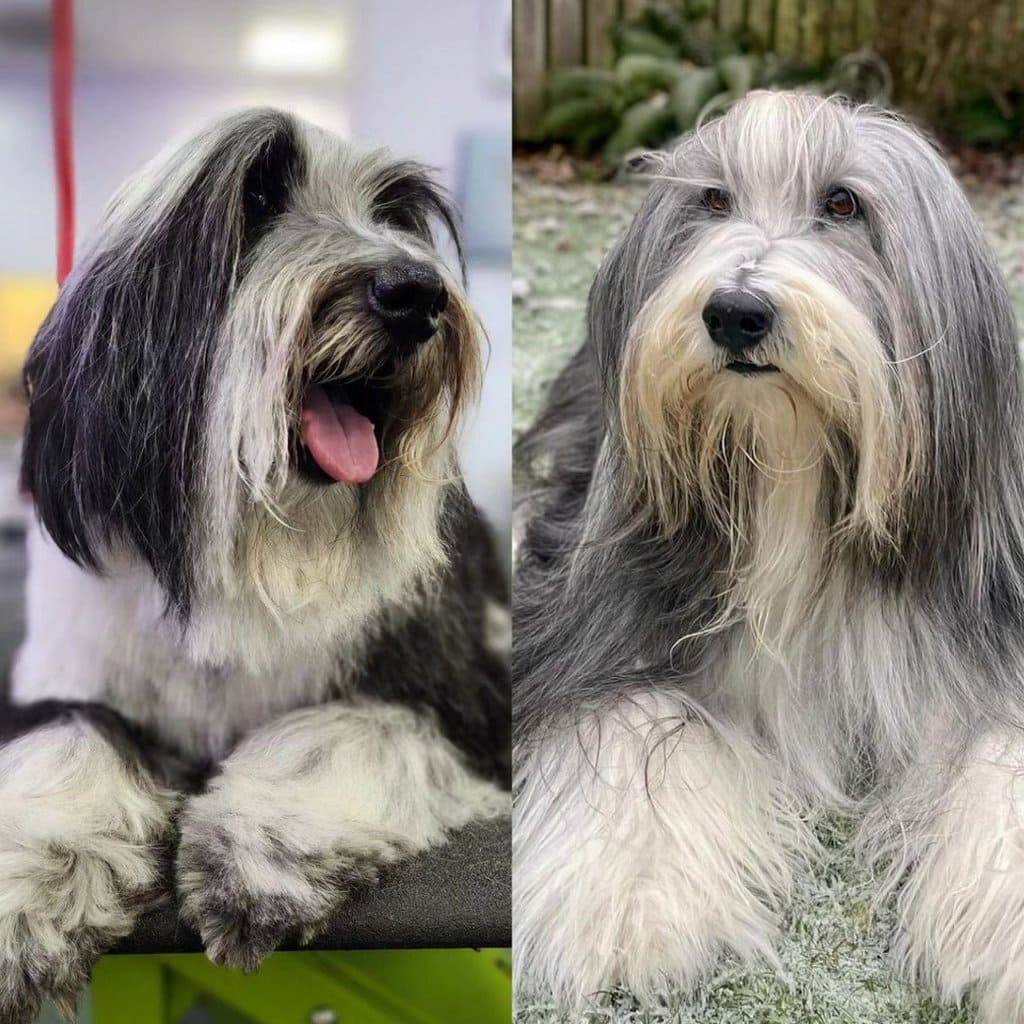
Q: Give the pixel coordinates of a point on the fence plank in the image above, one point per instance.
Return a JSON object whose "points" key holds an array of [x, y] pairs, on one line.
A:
{"points": [[787, 27], [529, 66], [600, 15], [841, 29], [565, 43], [998, 56], [1018, 28], [867, 22], [761, 20], [813, 29], [730, 15]]}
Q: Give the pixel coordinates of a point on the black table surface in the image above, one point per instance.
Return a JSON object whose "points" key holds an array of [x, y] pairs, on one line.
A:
{"points": [[456, 895]]}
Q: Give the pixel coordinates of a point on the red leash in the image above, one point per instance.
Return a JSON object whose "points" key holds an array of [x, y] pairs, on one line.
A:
{"points": [[63, 140]]}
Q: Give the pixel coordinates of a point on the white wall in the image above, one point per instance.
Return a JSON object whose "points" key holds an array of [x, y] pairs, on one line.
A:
{"points": [[27, 221], [422, 72]]}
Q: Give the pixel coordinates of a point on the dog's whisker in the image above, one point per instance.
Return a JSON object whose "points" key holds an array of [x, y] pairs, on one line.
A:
{"points": [[917, 355]]}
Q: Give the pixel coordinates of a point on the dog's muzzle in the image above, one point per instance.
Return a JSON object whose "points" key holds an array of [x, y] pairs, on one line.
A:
{"points": [[342, 420], [409, 298]]}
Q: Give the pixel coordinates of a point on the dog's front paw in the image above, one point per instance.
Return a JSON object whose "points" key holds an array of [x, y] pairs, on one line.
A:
{"points": [[84, 839], [61, 908], [38, 961], [247, 885]]}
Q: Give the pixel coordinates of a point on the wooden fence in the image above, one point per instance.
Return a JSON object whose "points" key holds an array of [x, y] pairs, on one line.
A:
{"points": [[554, 33], [934, 48]]}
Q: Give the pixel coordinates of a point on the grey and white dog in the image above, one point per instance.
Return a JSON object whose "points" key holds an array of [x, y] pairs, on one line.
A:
{"points": [[773, 565], [265, 622]]}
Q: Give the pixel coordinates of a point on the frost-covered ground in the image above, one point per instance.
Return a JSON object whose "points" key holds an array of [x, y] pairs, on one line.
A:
{"points": [[833, 947]]}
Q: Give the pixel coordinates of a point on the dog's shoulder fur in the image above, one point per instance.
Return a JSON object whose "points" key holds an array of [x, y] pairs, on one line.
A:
{"points": [[451, 654], [572, 646]]}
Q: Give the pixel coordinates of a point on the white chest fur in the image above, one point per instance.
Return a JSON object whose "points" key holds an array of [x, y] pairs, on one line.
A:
{"points": [[108, 638]]}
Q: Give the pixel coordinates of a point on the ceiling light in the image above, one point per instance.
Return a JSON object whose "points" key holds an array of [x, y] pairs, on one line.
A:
{"points": [[294, 48]]}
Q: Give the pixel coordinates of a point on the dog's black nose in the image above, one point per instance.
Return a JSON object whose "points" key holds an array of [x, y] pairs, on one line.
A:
{"points": [[409, 298], [737, 320]]}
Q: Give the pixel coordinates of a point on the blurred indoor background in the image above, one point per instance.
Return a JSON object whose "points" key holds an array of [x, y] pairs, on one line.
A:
{"points": [[431, 80]]}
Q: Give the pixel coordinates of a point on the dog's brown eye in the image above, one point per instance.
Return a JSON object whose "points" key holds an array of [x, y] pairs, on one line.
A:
{"points": [[841, 204], [717, 199]]}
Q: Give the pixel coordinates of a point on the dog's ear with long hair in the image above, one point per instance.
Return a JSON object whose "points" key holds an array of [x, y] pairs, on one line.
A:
{"points": [[955, 348], [117, 375], [558, 453], [634, 267]]}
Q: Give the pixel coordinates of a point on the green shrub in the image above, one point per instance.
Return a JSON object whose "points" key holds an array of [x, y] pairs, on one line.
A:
{"points": [[982, 117], [673, 66]]}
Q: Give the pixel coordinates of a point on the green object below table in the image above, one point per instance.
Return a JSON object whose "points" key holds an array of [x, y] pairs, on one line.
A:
{"points": [[411, 986]]}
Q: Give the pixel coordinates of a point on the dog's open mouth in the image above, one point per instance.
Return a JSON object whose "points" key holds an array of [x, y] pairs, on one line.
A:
{"points": [[339, 430], [748, 369]]}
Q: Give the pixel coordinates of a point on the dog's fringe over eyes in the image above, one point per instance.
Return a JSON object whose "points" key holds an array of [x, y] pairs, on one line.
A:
{"points": [[806, 549]]}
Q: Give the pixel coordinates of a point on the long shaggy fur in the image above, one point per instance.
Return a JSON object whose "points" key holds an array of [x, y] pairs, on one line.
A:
{"points": [[195, 581], [79, 860], [823, 566]]}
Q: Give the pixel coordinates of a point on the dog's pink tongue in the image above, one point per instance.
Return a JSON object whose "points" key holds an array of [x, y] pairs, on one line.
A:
{"points": [[340, 439]]}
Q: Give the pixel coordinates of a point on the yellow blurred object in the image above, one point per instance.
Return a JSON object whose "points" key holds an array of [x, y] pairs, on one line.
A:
{"points": [[24, 303]]}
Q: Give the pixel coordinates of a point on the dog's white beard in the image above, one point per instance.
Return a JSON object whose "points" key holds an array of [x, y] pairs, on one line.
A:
{"points": [[697, 434], [311, 576]]}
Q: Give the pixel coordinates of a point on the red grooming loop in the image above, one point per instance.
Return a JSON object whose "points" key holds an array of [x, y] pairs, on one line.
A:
{"points": [[63, 142]]}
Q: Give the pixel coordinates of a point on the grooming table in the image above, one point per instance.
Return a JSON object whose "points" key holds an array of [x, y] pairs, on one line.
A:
{"points": [[455, 896]]}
